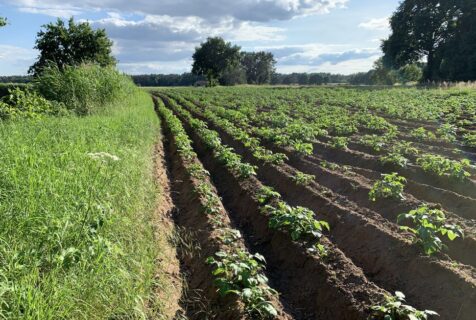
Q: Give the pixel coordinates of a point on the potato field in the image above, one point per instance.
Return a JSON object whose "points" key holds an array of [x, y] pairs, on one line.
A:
{"points": [[323, 202]]}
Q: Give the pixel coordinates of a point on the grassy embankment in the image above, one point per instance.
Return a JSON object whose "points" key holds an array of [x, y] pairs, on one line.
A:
{"points": [[77, 199]]}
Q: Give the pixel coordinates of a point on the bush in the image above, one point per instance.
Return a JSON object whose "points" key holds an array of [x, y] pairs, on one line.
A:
{"points": [[27, 104], [6, 87], [84, 89]]}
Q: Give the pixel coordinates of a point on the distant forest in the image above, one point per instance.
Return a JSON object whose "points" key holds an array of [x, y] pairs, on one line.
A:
{"points": [[189, 79]]}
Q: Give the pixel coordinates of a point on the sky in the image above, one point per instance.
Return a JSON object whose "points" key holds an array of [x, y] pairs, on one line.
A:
{"points": [[159, 36]]}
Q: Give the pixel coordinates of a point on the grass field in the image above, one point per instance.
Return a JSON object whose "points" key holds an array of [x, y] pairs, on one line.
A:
{"points": [[77, 199], [348, 194]]}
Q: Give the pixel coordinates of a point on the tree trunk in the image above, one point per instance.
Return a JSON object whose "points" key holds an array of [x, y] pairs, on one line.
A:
{"points": [[429, 71]]}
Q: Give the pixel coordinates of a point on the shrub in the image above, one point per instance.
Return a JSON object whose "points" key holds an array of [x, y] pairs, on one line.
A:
{"points": [[27, 104], [84, 89]]}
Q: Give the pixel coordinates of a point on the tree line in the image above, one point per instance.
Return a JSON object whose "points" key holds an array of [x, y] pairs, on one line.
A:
{"points": [[189, 79]]}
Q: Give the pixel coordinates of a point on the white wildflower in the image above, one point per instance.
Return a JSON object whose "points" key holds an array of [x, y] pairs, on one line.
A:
{"points": [[103, 156]]}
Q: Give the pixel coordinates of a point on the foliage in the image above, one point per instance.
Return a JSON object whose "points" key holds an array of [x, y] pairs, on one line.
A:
{"points": [[447, 132], [241, 273], [391, 186], [376, 142], [233, 75], [339, 142], [405, 148], [395, 308], [302, 178], [266, 194], [469, 139], [410, 73], [258, 66], [442, 166], [428, 224], [213, 57], [431, 29], [3, 22], [27, 104], [84, 89], [394, 158], [298, 221], [423, 134], [64, 45]]}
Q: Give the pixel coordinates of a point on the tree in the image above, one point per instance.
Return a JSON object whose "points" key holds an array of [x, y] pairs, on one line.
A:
{"points": [[71, 44], [419, 29], [3, 22], [213, 57], [410, 73], [458, 56], [233, 75], [382, 75], [258, 66], [316, 78]]}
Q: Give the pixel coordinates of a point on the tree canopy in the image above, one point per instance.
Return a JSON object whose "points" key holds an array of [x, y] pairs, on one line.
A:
{"points": [[442, 33], [213, 57], [258, 66], [3, 22], [69, 43]]}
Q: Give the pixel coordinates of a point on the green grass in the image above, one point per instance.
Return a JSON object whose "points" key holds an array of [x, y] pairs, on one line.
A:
{"points": [[76, 238]]}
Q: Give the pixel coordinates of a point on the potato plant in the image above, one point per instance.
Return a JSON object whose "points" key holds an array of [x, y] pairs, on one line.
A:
{"points": [[430, 223], [241, 273], [391, 186], [442, 166], [303, 179], [423, 134], [298, 221], [394, 308]]}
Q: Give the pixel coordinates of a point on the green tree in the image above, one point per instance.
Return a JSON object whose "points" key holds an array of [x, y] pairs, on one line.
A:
{"points": [[419, 29], [67, 44], [259, 66], [458, 56], [233, 75], [410, 73], [3, 22], [382, 75], [213, 57]]}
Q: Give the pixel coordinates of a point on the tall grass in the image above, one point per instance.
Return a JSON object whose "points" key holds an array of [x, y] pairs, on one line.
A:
{"points": [[76, 201], [85, 88]]}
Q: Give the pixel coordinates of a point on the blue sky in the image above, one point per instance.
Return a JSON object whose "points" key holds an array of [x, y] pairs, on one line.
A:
{"points": [[339, 36]]}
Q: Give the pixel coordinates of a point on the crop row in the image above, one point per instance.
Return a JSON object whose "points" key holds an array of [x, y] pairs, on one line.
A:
{"points": [[314, 202], [391, 186], [235, 270], [186, 117]]}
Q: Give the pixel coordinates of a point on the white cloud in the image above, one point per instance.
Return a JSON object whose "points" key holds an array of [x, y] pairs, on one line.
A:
{"points": [[155, 38], [245, 10], [345, 67], [13, 58], [375, 24]]}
